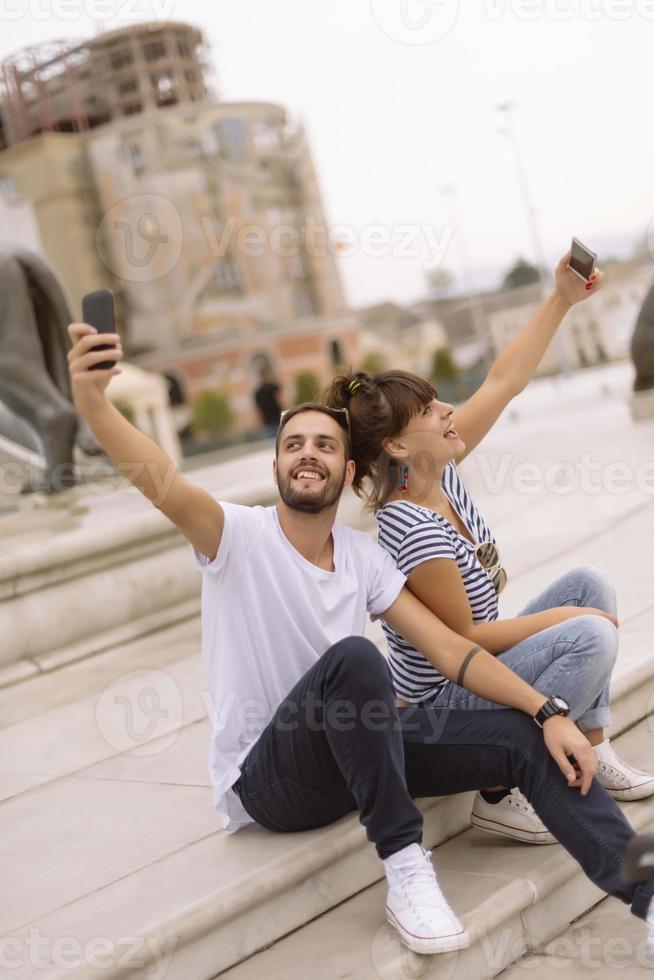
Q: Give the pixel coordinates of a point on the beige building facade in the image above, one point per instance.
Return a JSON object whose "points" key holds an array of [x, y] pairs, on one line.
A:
{"points": [[204, 217]]}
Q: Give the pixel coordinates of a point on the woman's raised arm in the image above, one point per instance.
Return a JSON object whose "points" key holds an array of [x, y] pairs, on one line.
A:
{"points": [[515, 366]]}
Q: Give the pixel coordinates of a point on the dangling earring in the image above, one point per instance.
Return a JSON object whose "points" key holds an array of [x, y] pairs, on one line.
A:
{"points": [[404, 479]]}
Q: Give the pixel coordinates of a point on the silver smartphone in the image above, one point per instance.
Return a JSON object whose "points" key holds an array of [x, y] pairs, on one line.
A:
{"points": [[582, 260]]}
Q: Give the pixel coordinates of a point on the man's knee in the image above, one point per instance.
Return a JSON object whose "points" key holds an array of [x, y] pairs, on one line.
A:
{"points": [[360, 656]]}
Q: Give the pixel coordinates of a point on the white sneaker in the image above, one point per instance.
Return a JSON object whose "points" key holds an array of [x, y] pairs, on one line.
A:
{"points": [[650, 926], [416, 906], [622, 781], [512, 817]]}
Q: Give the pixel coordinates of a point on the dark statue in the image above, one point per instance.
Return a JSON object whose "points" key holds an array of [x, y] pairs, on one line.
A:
{"points": [[642, 344], [36, 402]]}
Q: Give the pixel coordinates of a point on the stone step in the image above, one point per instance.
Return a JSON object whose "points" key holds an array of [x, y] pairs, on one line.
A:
{"points": [[606, 942], [220, 897], [113, 564], [511, 898]]}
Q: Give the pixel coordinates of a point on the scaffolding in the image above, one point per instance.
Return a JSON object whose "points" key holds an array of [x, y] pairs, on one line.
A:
{"points": [[71, 86]]}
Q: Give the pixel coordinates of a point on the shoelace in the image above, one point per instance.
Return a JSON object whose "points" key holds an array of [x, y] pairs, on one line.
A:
{"points": [[421, 880], [614, 766], [518, 800]]}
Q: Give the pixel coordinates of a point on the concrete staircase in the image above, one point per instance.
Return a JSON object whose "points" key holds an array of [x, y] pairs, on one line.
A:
{"points": [[107, 833], [113, 863]]}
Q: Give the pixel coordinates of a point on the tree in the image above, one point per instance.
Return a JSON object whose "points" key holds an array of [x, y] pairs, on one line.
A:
{"points": [[211, 413], [521, 274], [307, 387], [126, 410], [443, 366], [440, 281]]}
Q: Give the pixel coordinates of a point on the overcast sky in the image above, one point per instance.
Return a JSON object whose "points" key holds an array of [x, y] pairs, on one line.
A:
{"points": [[398, 100]]}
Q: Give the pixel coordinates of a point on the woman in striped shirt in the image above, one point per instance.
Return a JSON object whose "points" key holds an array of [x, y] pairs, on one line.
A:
{"points": [[565, 641]]}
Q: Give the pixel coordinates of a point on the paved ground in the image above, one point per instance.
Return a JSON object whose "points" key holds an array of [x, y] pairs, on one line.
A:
{"points": [[565, 478]]}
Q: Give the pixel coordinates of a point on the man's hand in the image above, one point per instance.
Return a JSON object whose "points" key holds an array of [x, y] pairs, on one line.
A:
{"points": [[89, 386], [563, 738]]}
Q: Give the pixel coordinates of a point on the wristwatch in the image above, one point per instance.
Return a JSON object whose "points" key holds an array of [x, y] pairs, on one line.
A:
{"points": [[554, 706]]}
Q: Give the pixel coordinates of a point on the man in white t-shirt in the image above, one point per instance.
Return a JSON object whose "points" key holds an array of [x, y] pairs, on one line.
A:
{"points": [[305, 726]]}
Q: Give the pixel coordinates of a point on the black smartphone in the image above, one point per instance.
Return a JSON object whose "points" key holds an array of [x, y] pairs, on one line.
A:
{"points": [[98, 312], [582, 260]]}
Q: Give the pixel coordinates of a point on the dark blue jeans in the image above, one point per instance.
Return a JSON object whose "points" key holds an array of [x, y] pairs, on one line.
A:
{"points": [[338, 743]]}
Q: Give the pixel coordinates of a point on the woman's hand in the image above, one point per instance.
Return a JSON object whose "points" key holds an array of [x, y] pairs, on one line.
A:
{"points": [[572, 612], [570, 287]]}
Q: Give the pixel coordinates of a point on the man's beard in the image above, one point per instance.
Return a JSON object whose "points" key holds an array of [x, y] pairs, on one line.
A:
{"points": [[312, 503]]}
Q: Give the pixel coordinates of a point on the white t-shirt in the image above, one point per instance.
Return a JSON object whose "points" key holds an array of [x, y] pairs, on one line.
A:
{"points": [[267, 616]]}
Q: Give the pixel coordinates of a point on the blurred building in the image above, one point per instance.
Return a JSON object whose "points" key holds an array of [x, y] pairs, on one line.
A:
{"points": [[204, 217], [400, 338], [592, 333]]}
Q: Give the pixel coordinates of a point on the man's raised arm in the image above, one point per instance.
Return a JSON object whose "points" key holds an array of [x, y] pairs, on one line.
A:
{"points": [[198, 516]]}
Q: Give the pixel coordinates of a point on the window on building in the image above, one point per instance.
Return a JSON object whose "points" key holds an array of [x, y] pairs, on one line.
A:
{"points": [[133, 155], [118, 59], [132, 109], [232, 136], [297, 266], [303, 302], [129, 85], [228, 278], [154, 50], [265, 136], [212, 141], [184, 47]]}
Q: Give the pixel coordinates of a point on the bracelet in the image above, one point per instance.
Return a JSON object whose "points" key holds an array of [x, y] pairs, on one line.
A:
{"points": [[464, 665]]}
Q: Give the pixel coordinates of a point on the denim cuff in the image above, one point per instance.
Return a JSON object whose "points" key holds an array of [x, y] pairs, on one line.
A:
{"points": [[595, 718]]}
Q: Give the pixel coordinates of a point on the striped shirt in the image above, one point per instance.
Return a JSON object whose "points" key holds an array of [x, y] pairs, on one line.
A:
{"points": [[413, 534]]}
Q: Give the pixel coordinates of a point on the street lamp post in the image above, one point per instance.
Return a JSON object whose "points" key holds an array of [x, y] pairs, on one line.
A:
{"points": [[506, 108], [478, 316]]}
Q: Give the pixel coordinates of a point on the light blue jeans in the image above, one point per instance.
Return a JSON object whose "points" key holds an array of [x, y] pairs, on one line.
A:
{"points": [[574, 659]]}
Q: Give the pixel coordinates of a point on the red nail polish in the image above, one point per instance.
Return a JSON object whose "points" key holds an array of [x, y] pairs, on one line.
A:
{"points": [[588, 285]]}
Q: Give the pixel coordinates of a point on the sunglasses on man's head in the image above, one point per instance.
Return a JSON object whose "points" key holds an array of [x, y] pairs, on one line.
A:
{"points": [[339, 415]]}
